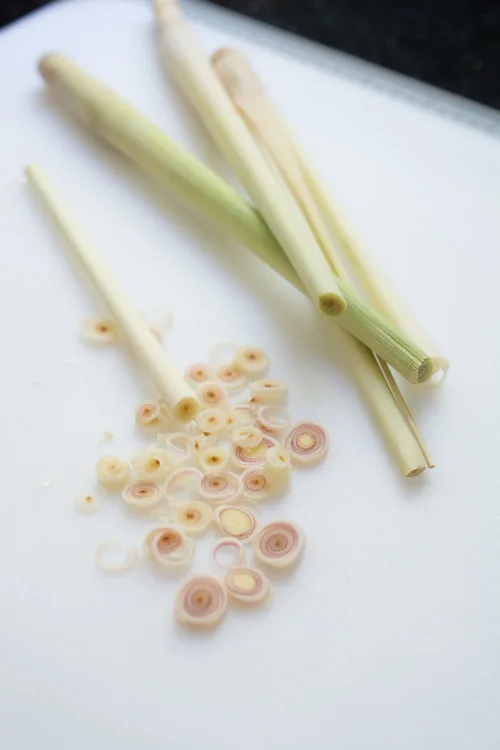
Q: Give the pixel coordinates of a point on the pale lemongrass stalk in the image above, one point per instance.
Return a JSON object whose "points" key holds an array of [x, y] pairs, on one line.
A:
{"points": [[185, 59], [250, 99], [171, 385], [119, 124]]}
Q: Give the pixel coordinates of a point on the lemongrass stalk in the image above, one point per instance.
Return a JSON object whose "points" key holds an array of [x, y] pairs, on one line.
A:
{"points": [[119, 124], [250, 99], [171, 385]]}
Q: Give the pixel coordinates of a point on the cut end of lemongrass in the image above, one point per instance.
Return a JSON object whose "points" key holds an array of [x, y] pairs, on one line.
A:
{"points": [[48, 64], [417, 471], [425, 371], [332, 304], [186, 409]]}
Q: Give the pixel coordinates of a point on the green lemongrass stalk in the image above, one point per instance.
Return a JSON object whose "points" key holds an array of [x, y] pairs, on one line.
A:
{"points": [[250, 99], [248, 96], [119, 124], [186, 60], [171, 385]]}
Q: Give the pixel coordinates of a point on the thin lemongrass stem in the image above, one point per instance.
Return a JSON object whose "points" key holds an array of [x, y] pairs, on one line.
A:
{"points": [[189, 64], [171, 386], [249, 97], [119, 124]]}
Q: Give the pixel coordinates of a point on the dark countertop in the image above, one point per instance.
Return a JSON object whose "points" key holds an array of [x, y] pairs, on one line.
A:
{"points": [[454, 44]]}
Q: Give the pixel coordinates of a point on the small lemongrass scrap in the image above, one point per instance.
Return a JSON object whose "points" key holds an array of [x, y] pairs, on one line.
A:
{"points": [[244, 458], [179, 448], [198, 373], [212, 394], [201, 602], [211, 421], [152, 464], [272, 419], [142, 495], [87, 504], [233, 380], [221, 486], [107, 553], [182, 484], [256, 484], [229, 553], [247, 585], [194, 517], [235, 521], [269, 391], [213, 458], [112, 473], [252, 362], [100, 331], [307, 443], [169, 547], [278, 461], [247, 436], [278, 544]]}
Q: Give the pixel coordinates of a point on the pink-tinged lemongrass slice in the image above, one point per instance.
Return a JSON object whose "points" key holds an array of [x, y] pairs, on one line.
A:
{"points": [[194, 517], [307, 443], [257, 484], [247, 436], [211, 421], [142, 495], [278, 461], [221, 487], [252, 362], [100, 331], [169, 547], [245, 458], [201, 602], [112, 473], [229, 553], [198, 373], [233, 380], [247, 585], [269, 391], [278, 544], [111, 557], [148, 415], [182, 484], [212, 395], [151, 464], [87, 504], [179, 447], [235, 521], [213, 458], [272, 419]]}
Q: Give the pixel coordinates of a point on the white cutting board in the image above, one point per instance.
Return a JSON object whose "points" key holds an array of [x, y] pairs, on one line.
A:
{"points": [[387, 636]]}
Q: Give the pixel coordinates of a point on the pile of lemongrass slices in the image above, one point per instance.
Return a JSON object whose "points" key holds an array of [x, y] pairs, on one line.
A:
{"points": [[212, 475]]}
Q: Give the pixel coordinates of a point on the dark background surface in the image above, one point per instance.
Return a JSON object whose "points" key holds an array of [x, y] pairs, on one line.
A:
{"points": [[454, 44]]}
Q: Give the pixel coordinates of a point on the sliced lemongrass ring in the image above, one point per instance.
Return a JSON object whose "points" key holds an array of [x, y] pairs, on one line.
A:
{"points": [[278, 544], [202, 442], [212, 395], [148, 415], [235, 521], [87, 504], [251, 361], [211, 421], [245, 411], [247, 436], [272, 419], [152, 464], [169, 547], [229, 553], [233, 380], [179, 447], [182, 483], [257, 484], [198, 373], [221, 352], [101, 331], [237, 417], [307, 443], [193, 516], [213, 457], [269, 391], [142, 495], [201, 602], [111, 557], [247, 585], [245, 458], [112, 473], [221, 486], [278, 461]]}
